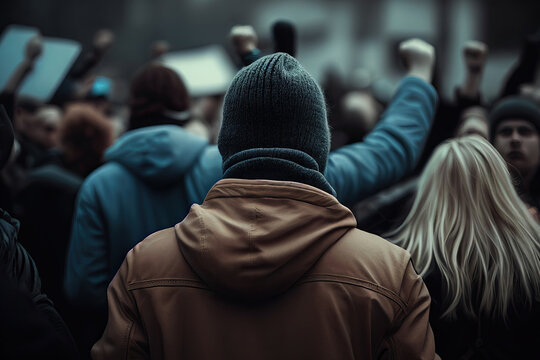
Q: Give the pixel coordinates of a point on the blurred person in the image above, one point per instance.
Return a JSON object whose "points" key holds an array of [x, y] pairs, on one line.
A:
{"points": [[359, 114], [32, 52], [153, 174], [467, 94], [271, 265], [514, 131], [531, 92], [77, 79], [27, 152], [526, 68], [245, 41], [22, 111], [478, 250], [46, 202], [30, 325], [474, 120], [207, 110], [160, 48], [85, 134], [45, 127], [158, 97], [96, 91], [386, 210], [37, 126]]}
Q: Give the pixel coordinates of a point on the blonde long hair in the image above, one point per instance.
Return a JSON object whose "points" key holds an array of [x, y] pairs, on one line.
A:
{"points": [[468, 220]]}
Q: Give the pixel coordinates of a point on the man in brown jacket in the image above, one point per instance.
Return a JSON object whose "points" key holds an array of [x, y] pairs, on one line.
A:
{"points": [[271, 265]]}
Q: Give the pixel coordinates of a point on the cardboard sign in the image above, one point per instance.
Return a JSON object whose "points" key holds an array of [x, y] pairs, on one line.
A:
{"points": [[50, 68], [205, 71]]}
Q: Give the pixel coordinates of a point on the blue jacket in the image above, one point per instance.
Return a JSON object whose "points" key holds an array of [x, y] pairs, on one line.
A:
{"points": [[154, 174]]}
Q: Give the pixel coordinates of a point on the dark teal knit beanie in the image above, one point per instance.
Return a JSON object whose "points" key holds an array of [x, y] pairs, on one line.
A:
{"points": [[514, 107], [275, 104]]}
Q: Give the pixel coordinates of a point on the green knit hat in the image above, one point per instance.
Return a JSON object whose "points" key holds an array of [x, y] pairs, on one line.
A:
{"points": [[274, 103]]}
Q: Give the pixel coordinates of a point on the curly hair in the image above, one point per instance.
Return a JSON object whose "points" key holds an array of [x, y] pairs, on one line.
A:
{"points": [[84, 135]]}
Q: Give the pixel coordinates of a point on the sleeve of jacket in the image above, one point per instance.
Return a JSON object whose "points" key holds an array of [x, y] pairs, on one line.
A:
{"points": [[413, 338], [86, 276], [391, 149], [124, 336]]}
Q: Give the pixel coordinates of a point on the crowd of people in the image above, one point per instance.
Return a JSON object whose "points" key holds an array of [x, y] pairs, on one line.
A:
{"points": [[398, 228]]}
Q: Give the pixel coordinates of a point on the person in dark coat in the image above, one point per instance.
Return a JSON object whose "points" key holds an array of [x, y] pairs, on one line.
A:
{"points": [[30, 326]]}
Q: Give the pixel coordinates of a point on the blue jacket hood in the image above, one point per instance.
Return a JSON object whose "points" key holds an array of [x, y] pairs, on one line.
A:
{"points": [[158, 155]]}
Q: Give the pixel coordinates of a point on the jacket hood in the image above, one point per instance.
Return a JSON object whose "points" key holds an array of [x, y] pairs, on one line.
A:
{"points": [[253, 239], [158, 155]]}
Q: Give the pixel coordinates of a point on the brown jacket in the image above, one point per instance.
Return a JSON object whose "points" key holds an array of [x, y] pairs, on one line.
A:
{"points": [[267, 270]]}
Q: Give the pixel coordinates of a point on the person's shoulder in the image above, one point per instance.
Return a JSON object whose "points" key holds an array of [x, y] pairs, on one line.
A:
{"points": [[377, 249], [157, 259], [367, 258]]}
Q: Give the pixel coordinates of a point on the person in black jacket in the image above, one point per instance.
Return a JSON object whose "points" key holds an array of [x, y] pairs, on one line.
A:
{"points": [[30, 326]]}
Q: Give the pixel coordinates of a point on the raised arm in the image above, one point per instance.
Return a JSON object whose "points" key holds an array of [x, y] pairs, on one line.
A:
{"points": [[475, 54], [394, 146], [244, 40], [34, 48], [102, 42]]}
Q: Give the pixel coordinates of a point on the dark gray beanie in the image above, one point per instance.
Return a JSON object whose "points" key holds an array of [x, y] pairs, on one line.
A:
{"points": [[514, 107], [274, 103]]}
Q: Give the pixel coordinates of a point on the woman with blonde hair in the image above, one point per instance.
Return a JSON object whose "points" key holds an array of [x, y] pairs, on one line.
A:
{"points": [[478, 250]]}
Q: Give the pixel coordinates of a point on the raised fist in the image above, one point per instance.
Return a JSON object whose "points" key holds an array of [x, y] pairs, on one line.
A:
{"points": [[417, 53], [103, 40], [243, 38], [475, 53], [34, 48], [159, 48]]}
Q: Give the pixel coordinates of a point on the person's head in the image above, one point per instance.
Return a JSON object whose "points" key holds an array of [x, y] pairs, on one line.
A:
{"points": [[474, 121], [45, 126], [274, 107], [84, 135], [468, 221], [360, 114], [515, 129], [99, 93], [24, 116], [156, 91]]}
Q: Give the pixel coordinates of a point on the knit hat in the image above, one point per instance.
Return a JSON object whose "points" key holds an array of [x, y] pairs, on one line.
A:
{"points": [[275, 106], [156, 90], [514, 107], [6, 137]]}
